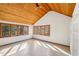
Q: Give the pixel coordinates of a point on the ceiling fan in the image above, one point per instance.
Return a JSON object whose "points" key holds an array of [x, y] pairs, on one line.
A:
{"points": [[37, 5]]}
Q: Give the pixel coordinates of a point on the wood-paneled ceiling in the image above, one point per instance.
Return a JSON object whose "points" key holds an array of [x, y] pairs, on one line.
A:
{"points": [[29, 13]]}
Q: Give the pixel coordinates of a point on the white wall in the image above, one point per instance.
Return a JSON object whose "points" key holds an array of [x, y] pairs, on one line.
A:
{"points": [[60, 28], [8, 40], [75, 31]]}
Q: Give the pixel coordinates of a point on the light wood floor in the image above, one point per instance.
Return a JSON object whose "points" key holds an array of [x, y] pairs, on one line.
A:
{"points": [[34, 48]]}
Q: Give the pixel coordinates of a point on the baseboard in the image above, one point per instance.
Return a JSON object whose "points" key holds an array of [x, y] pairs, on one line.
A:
{"points": [[51, 42], [14, 42]]}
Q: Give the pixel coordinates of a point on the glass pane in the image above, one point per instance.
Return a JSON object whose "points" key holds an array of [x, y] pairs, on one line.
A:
{"points": [[5, 30]]}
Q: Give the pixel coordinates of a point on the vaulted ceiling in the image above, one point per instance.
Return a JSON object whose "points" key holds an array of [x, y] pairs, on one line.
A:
{"points": [[29, 13]]}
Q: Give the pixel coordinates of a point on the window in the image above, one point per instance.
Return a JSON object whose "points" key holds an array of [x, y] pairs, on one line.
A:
{"points": [[41, 30], [14, 30], [9, 30], [26, 30], [5, 30], [0, 31]]}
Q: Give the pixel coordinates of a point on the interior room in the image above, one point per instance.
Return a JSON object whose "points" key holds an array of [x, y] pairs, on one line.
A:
{"points": [[39, 29]]}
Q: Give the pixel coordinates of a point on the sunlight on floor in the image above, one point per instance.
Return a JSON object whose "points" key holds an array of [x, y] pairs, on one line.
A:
{"points": [[43, 44], [4, 51], [23, 46], [62, 50], [38, 43], [52, 47], [13, 50], [32, 47], [46, 46]]}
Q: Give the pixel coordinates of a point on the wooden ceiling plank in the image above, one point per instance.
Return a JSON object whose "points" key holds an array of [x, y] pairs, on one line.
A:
{"points": [[19, 14], [12, 17], [63, 8], [30, 13]]}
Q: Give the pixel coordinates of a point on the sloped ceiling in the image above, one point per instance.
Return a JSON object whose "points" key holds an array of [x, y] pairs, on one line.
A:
{"points": [[63, 8], [29, 13]]}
